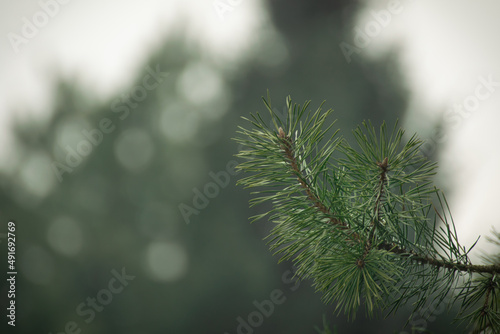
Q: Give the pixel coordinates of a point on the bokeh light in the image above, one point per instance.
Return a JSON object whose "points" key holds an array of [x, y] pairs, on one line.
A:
{"points": [[166, 262]]}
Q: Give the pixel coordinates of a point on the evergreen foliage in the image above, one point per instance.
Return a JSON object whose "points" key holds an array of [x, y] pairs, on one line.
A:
{"points": [[363, 222]]}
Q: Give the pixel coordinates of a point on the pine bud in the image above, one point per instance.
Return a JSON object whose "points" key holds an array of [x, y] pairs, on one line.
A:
{"points": [[383, 164]]}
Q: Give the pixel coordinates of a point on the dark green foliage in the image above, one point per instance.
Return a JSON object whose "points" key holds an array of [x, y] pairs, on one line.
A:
{"points": [[360, 221]]}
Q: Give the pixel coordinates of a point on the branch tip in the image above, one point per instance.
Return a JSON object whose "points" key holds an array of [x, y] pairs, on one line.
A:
{"points": [[384, 164], [281, 133]]}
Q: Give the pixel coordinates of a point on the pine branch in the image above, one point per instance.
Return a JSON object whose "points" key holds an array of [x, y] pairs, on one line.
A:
{"points": [[288, 150], [361, 226]]}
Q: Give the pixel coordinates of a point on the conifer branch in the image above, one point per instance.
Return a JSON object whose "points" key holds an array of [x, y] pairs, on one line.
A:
{"points": [[287, 147], [388, 247]]}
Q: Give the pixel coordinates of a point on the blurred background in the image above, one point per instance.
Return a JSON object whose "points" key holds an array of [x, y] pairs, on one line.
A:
{"points": [[117, 163]]}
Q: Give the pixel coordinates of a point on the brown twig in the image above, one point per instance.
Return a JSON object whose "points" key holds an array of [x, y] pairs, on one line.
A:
{"points": [[286, 146], [376, 210]]}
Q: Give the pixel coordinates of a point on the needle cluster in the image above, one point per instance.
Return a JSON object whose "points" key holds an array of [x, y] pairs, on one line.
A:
{"points": [[364, 222]]}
